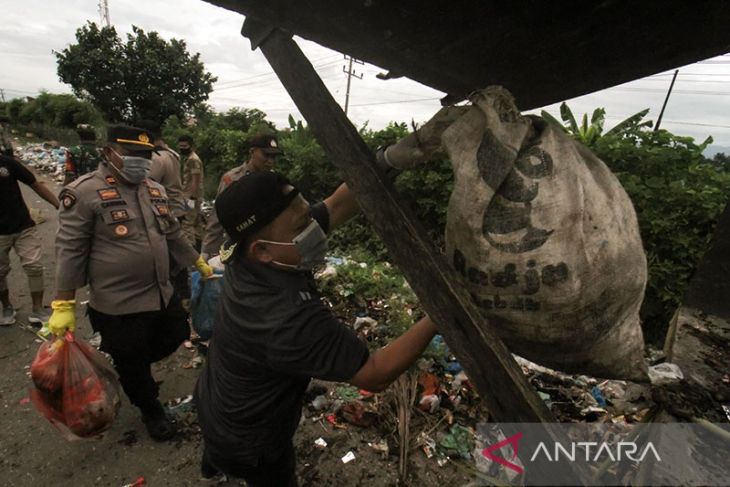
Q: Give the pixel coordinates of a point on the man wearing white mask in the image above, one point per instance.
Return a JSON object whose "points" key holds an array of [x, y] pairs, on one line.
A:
{"points": [[115, 231], [274, 333]]}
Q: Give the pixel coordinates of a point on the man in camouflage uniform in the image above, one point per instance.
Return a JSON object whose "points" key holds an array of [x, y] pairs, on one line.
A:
{"points": [[192, 182], [83, 158], [115, 234], [6, 145], [263, 151]]}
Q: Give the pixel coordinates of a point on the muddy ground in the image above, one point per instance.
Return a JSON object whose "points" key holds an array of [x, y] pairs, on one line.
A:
{"points": [[33, 453]]}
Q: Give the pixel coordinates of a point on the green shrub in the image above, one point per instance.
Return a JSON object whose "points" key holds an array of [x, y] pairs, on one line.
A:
{"points": [[678, 196]]}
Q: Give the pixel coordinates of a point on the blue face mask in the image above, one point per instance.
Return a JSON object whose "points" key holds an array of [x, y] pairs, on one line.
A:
{"points": [[135, 169]]}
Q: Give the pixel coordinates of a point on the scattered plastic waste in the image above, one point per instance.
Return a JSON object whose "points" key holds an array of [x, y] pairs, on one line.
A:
{"points": [[181, 404], [380, 447], [320, 402], [347, 392], [320, 443], [598, 396], [349, 456], [453, 367], [364, 321], [427, 444], [665, 373], [355, 412], [459, 441], [139, 482]]}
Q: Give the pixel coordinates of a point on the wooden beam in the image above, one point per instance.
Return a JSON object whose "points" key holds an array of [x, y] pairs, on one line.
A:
{"points": [[490, 366]]}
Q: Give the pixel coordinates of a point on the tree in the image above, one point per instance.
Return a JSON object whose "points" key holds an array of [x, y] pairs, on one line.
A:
{"points": [[145, 77]]}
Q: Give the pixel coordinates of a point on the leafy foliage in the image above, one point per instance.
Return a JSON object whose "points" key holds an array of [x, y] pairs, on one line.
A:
{"points": [[145, 77], [678, 196], [589, 133], [60, 111]]}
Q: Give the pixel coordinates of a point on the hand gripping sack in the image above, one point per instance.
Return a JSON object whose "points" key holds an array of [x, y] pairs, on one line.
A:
{"points": [[76, 388], [547, 241]]}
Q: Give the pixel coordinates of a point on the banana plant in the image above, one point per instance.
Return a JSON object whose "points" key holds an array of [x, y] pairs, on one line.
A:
{"points": [[589, 133]]}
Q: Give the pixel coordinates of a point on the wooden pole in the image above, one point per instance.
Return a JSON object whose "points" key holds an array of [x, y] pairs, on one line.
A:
{"points": [[490, 366]]}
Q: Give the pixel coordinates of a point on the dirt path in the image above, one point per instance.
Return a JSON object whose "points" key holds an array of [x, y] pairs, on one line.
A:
{"points": [[32, 452]]}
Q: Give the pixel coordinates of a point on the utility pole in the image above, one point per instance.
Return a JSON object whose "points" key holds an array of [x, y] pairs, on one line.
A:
{"points": [[104, 13], [350, 73], [2, 94], [661, 114]]}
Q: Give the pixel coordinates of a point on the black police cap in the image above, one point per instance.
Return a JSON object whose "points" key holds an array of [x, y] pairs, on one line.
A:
{"points": [[131, 138]]}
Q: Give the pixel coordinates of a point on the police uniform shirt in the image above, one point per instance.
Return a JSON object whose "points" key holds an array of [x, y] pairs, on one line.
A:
{"points": [[165, 170], [191, 165], [115, 237], [273, 334], [215, 235]]}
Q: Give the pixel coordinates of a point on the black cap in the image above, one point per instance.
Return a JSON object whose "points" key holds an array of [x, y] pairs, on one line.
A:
{"points": [[151, 127], [252, 202], [131, 138], [265, 142]]}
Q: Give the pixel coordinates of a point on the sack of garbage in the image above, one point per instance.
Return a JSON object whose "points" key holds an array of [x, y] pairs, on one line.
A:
{"points": [[204, 302], [545, 237], [76, 388]]}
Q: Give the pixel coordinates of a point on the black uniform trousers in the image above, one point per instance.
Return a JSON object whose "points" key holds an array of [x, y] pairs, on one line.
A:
{"points": [[137, 340], [269, 469]]}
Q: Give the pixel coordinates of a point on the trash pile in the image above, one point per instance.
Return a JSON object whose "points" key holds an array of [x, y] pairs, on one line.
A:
{"points": [[447, 411], [48, 157]]}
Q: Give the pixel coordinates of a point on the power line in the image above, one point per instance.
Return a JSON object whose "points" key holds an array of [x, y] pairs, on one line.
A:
{"points": [[271, 73], [251, 81]]}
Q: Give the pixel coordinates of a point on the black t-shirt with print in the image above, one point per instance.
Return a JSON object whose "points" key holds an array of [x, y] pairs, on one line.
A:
{"points": [[14, 215], [272, 334]]}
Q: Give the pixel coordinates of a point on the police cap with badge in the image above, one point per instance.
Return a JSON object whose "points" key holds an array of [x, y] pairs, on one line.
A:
{"points": [[134, 140], [266, 143]]}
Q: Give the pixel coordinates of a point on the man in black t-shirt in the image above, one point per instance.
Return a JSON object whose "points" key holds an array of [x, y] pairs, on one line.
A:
{"points": [[17, 231], [273, 333]]}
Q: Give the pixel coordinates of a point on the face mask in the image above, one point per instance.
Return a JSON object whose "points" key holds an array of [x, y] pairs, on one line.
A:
{"points": [[135, 169], [311, 245]]}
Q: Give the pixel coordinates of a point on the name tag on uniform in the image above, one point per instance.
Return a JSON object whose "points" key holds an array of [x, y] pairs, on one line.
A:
{"points": [[109, 194], [154, 192], [120, 215]]}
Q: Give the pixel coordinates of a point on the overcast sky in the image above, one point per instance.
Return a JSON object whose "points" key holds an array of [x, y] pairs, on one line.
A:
{"points": [[31, 29]]}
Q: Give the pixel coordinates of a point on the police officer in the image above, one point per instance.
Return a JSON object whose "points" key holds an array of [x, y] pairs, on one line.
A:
{"points": [[6, 145], [83, 158], [115, 229], [263, 152], [192, 182], [165, 170]]}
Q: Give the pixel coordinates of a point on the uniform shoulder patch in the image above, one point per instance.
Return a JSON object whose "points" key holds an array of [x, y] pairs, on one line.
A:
{"points": [[81, 179], [68, 199]]}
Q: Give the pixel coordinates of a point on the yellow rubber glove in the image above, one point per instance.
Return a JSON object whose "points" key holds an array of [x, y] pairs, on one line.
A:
{"points": [[63, 317], [205, 270]]}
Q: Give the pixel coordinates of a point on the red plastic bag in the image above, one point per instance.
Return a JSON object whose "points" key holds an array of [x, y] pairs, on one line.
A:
{"points": [[76, 388]]}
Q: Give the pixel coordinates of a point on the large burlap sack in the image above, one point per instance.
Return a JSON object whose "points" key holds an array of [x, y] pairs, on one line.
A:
{"points": [[547, 241]]}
